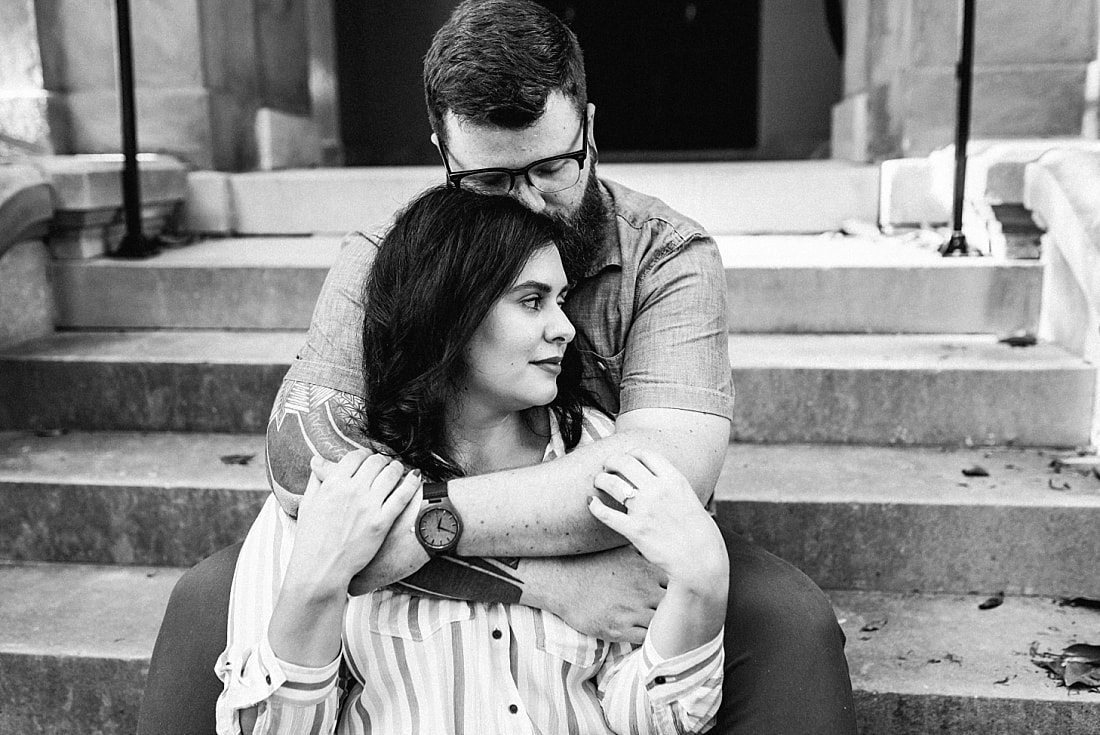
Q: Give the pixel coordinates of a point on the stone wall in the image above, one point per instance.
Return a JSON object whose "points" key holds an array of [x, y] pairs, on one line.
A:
{"points": [[202, 69], [23, 126], [1030, 67]]}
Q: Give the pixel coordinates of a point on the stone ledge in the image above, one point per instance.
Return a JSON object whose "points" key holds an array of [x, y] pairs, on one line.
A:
{"points": [[85, 182], [87, 194], [1060, 189], [26, 205], [919, 190]]}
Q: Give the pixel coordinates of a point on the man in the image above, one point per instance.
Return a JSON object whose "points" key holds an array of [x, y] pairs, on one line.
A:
{"points": [[505, 88]]}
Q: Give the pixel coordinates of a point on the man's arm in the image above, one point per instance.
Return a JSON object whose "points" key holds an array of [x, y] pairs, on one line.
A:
{"points": [[542, 510], [309, 420]]}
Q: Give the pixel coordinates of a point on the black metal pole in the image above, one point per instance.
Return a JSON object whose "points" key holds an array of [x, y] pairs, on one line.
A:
{"points": [[134, 244], [964, 73]]}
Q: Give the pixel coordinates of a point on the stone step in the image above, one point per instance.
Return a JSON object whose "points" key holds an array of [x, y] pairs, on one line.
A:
{"points": [[862, 518], [727, 198], [127, 498], [793, 284], [878, 285], [904, 519], [75, 642], [910, 389], [211, 381], [237, 283], [83, 634], [939, 664]]}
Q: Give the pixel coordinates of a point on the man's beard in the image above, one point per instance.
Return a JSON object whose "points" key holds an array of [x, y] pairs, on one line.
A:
{"points": [[584, 229]]}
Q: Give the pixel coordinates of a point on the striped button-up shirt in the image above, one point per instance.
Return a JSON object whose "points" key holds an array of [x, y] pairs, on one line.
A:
{"points": [[426, 665]]}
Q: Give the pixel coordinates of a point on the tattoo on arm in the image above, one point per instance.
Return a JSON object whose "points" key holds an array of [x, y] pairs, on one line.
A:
{"points": [[308, 419], [466, 578]]}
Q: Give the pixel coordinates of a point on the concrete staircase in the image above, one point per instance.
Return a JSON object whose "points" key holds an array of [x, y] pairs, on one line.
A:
{"points": [[869, 377]]}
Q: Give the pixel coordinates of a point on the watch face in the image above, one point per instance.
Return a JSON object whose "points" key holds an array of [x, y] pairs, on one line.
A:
{"points": [[437, 527]]}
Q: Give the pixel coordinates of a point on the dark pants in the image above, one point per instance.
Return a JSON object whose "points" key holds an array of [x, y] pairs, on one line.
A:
{"points": [[785, 668]]}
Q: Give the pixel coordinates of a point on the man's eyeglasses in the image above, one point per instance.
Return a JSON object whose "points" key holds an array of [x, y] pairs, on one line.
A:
{"points": [[548, 175]]}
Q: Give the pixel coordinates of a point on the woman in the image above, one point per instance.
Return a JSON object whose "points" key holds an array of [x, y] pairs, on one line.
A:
{"points": [[468, 372]]}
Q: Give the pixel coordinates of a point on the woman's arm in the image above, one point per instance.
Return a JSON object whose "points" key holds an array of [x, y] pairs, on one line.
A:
{"points": [[291, 672], [679, 667]]}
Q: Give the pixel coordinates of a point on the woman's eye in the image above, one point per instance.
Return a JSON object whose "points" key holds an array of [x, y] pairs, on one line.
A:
{"points": [[532, 302]]}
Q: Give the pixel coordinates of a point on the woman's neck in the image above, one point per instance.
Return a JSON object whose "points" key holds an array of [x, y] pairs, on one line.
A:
{"points": [[484, 441]]}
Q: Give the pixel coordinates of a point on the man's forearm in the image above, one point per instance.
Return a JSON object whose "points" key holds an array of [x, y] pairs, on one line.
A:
{"points": [[542, 510]]}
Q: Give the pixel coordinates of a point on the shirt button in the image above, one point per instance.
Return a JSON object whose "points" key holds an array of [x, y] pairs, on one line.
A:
{"points": [[268, 677], [513, 708], [497, 634], [659, 680]]}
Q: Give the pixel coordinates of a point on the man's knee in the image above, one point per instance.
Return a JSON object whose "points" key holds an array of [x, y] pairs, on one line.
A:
{"points": [[770, 597], [181, 687], [206, 586]]}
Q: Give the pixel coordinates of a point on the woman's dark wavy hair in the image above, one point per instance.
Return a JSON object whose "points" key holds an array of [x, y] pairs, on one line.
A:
{"points": [[448, 258], [495, 62]]}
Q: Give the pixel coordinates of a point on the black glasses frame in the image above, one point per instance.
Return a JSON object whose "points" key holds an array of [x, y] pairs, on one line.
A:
{"points": [[455, 177]]}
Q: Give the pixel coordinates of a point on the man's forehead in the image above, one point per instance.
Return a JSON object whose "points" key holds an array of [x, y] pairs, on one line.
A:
{"points": [[477, 144]]}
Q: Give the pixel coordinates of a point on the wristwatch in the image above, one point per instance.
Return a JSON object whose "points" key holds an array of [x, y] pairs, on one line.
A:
{"points": [[438, 525]]}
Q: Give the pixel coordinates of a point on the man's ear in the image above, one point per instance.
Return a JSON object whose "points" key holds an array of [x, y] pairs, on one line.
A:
{"points": [[590, 110], [435, 142]]}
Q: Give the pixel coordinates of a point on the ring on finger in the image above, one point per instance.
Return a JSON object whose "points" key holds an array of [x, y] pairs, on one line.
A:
{"points": [[629, 492]]}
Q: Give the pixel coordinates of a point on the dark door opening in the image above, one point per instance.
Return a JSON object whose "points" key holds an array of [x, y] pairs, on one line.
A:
{"points": [[671, 79]]}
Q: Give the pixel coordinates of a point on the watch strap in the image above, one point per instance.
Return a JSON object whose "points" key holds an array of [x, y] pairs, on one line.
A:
{"points": [[434, 491]]}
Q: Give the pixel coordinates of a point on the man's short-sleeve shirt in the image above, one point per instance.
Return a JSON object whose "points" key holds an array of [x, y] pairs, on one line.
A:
{"points": [[650, 314]]}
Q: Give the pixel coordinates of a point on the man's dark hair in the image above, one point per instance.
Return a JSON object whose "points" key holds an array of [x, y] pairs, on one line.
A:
{"points": [[494, 62], [449, 256]]}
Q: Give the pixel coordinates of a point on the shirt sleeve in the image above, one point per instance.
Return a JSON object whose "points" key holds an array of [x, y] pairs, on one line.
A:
{"points": [[642, 692], [677, 355], [307, 701], [247, 668], [332, 356]]}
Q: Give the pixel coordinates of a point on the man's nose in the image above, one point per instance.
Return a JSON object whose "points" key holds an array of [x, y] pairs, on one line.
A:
{"points": [[528, 195]]}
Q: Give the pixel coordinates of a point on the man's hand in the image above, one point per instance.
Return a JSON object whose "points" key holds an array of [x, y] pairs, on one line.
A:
{"points": [[620, 592]]}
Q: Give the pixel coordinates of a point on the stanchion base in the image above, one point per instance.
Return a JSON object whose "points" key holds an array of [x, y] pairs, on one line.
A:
{"points": [[955, 246], [136, 247]]}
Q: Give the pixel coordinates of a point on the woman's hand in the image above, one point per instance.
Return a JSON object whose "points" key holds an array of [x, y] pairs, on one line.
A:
{"points": [[663, 519], [344, 517], [667, 525]]}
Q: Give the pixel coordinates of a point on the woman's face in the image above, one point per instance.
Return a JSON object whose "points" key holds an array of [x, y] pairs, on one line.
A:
{"points": [[514, 358]]}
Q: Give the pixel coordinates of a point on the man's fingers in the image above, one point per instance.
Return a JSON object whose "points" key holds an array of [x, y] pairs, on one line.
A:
{"points": [[635, 635]]}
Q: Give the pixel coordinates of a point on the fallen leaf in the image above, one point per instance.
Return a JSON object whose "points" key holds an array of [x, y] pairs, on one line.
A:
{"points": [[1019, 339], [1083, 653], [1005, 680], [995, 601], [976, 471], [1060, 486], [242, 459], [1076, 665], [1086, 602], [874, 625], [50, 433]]}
